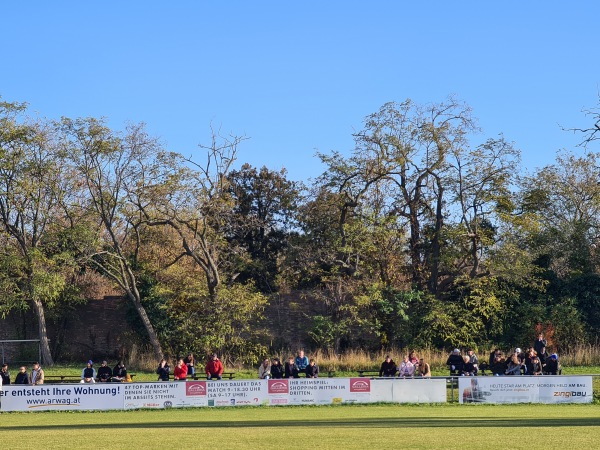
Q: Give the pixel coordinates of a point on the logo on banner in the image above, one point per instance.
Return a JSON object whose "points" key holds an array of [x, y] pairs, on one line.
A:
{"points": [[195, 388], [278, 387], [360, 385]]}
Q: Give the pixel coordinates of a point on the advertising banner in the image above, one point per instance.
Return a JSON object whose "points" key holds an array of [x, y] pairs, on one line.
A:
{"points": [[62, 397], [408, 390], [236, 393], [525, 389]]}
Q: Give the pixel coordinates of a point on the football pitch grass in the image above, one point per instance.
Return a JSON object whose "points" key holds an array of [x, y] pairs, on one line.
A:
{"points": [[341, 426]]}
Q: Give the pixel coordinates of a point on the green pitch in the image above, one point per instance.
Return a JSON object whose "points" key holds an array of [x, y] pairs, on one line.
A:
{"points": [[318, 427]]}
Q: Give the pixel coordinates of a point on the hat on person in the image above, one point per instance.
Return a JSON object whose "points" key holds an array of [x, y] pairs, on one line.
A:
{"points": [[554, 356], [104, 362], [90, 362], [456, 350], [517, 350]]}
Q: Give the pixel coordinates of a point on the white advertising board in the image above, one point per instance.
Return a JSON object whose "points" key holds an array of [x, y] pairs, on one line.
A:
{"points": [[61, 397], [525, 389]]}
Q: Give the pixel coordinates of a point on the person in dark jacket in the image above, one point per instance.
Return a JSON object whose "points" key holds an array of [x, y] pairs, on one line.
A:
{"points": [[163, 371], [540, 344], [104, 373], [22, 377], [455, 362], [312, 370], [388, 367], [552, 366], [88, 374], [291, 369], [5, 374], [276, 369]]}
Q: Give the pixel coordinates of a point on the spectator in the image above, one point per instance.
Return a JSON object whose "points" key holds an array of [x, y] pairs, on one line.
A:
{"points": [[276, 369], [291, 369], [264, 371], [498, 365], [473, 360], [413, 358], [468, 368], [119, 372], [455, 362], [37, 374], [312, 370], [540, 343], [423, 370], [529, 360], [190, 362], [163, 370], [180, 371], [388, 367], [104, 373], [88, 374], [22, 377], [406, 369], [301, 361], [5, 374], [552, 365], [543, 355], [214, 368], [536, 366], [514, 365]]}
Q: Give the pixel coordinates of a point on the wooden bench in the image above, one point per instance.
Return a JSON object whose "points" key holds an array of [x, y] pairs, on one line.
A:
{"points": [[61, 379], [368, 373], [202, 376], [69, 378]]}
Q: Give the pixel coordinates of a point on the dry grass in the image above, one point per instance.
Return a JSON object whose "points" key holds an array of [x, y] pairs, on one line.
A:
{"points": [[358, 359]]}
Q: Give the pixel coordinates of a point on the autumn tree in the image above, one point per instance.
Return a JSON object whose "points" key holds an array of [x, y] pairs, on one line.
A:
{"points": [[111, 169], [35, 185]]}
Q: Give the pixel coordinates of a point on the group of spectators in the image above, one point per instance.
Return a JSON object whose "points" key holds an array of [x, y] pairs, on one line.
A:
{"points": [[293, 368], [186, 367], [411, 366], [534, 361], [104, 374], [35, 377]]}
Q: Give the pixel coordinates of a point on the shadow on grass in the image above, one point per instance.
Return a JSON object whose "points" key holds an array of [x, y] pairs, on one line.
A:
{"points": [[413, 422]]}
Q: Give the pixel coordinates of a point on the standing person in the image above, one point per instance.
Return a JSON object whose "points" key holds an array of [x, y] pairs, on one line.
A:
{"points": [[540, 344], [22, 377], [264, 371], [180, 370], [388, 367], [37, 374], [291, 369], [276, 369], [104, 373], [190, 362], [214, 368], [163, 370], [5, 374], [312, 370], [88, 374], [301, 361], [423, 370]]}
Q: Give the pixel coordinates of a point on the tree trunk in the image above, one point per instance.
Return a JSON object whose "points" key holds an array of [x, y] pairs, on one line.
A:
{"points": [[38, 308], [156, 347]]}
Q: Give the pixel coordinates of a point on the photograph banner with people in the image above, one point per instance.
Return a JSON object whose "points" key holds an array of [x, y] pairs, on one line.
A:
{"points": [[525, 389]]}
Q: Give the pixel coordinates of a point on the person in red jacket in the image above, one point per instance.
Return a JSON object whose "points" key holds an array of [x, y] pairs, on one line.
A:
{"points": [[214, 368], [180, 371]]}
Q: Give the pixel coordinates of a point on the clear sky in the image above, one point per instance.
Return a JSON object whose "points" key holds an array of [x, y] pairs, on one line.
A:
{"points": [[297, 77]]}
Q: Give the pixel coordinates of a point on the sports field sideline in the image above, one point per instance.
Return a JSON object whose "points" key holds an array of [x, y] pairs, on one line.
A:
{"points": [[342, 426]]}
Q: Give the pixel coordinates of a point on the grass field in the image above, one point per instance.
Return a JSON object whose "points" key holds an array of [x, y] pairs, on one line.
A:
{"points": [[328, 427]]}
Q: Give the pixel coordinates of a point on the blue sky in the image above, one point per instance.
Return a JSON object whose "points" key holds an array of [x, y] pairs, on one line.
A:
{"points": [[297, 77]]}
